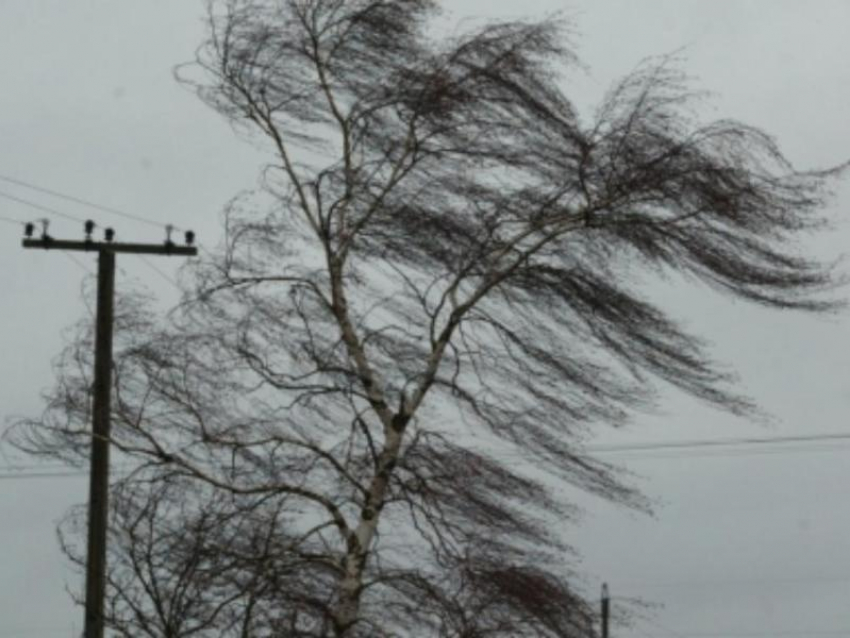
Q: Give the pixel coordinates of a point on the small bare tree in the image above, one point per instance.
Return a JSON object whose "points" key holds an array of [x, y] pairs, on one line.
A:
{"points": [[446, 275]]}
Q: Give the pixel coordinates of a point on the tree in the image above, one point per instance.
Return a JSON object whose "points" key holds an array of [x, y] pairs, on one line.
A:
{"points": [[448, 256]]}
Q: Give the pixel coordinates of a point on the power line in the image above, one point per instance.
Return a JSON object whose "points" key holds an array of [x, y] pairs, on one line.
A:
{"points": [[83, 202], [40, 470], [729, 442], [79, 263], [666, 630], [37, 475], [630, 586], [44, 209], [159, 272], [753, 634], [679, 450], [740, 634], [20, 467], [729, 453], [58, 633], [701, 448], [9, 220]]}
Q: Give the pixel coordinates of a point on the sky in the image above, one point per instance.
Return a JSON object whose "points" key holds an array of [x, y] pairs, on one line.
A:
{"points": [[745, 541]]}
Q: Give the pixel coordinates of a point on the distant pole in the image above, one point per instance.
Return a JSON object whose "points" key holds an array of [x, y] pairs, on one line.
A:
{"points": [[606, 608], [98, 514]]}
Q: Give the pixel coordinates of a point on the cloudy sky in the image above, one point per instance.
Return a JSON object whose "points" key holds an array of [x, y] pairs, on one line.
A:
{"points": [[747, 540]]}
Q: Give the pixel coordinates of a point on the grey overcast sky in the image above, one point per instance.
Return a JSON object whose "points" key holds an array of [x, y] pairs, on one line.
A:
{"points": [[746, 541]]}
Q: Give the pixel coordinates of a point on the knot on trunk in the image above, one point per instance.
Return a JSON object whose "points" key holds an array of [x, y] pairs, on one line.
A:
{"points": [[399, 422]]}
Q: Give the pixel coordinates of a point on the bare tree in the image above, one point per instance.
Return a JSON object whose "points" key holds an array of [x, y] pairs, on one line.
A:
{"points": [[444, 271]]}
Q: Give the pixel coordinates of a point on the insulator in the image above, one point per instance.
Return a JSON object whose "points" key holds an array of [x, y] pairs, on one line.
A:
{"points": [[89, 226], [190, 237], [109, 234], [29, 229]]}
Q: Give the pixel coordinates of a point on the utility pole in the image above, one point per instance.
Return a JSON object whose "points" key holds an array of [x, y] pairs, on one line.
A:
{"points": [[98, 514], [606, 608]]}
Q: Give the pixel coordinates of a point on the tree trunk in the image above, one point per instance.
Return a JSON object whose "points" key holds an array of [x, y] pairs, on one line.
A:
{"points": [[347, 610]]}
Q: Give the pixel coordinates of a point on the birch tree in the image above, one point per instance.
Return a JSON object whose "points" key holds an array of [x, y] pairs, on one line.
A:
{"points": [[440, 284]]}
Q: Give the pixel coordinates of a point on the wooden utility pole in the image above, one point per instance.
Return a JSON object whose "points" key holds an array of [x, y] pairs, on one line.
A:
{"points": [[98, 515], [606, 609], [99, 473]]}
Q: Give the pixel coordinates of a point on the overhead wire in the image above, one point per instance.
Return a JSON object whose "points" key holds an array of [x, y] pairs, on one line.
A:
{"points": [[9, 220], [674, 633], [88, 203], [49, 633], [37, 475], [662, 445], [84, 202], [33, 466], [704, 448], [159, 271], [42, 208], [729, 448], [695, 443], [48, 470], [754, 634], [631, 585], [728, 453], [665, 629], [88, 270]]}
